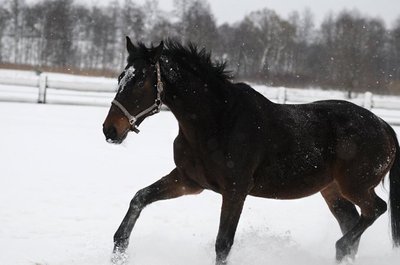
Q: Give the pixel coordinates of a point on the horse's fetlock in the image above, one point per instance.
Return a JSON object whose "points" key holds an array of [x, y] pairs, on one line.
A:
{"points": [[223, 246], [341, 243], [120, 244], [343, 249]]}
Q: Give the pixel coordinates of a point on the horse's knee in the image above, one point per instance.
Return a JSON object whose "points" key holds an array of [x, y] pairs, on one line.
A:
{"points": [[222, 245], [139, 201]]}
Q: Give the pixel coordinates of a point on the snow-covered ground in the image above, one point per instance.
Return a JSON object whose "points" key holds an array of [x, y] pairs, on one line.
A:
{"points": [[64, 191]]}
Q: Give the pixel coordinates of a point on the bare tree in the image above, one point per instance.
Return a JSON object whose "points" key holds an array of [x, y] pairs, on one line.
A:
{"points": [[57, 32], [200, 26], [394, 56], [15, 29], [181, 8], [4, 20]]}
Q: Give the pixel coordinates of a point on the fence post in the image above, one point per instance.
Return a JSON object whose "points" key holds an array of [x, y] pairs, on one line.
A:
{"points": [[282, 95], [368, 100], [42, 88]]}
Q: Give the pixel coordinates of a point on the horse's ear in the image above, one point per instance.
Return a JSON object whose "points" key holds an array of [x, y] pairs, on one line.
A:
{"points": [[129, 45], [158, 51]]}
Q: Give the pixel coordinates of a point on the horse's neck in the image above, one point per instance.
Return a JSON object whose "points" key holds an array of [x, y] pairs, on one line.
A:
{"points": [[196, 108]]}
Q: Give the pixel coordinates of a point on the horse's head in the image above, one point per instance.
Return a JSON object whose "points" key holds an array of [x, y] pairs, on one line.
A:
{"points": [[139, 92]]}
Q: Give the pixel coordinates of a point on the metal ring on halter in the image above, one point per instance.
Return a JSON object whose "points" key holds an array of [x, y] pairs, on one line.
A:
{"points": [[153, 109]]}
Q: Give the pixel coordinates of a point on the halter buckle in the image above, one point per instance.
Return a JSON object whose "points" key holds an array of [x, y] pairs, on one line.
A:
{"points": [[132, 121]]}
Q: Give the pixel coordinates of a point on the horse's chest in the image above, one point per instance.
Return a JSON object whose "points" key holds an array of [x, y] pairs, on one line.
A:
{"points": [[197, 168]]}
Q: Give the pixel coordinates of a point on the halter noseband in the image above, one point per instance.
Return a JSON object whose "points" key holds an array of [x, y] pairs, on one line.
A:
{"points": [[153, 109]]}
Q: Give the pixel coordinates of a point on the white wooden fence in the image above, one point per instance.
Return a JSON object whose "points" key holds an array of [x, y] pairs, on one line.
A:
{"points": [[28, 86]]}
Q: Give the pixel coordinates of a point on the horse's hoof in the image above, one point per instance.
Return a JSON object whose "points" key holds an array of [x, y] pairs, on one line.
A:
{"points": [[221, 262], [344, 252], [121, 245], [119, 258]]}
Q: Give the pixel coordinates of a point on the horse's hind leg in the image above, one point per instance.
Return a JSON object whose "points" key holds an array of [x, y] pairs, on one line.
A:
{"points": [[371, 208], [344, 211]]}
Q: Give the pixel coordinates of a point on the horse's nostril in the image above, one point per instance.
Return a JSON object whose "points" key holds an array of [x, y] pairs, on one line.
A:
{"points": [[110, 132]]}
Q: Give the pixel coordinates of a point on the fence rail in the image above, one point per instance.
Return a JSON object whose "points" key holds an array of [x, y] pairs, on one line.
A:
{"points": [[29, 86]]}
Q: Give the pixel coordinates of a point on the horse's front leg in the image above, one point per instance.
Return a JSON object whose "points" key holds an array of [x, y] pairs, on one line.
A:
{"points": [[232, 205], [171, 186]]}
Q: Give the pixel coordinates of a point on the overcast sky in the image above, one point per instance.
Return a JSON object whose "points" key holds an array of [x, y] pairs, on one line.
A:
{"points": [[234, 10]]}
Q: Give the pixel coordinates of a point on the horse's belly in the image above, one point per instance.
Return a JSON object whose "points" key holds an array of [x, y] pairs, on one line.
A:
{"points": [[290, 186]]}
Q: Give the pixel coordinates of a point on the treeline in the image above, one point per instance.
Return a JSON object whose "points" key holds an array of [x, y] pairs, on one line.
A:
{"points": [[347, 51]]}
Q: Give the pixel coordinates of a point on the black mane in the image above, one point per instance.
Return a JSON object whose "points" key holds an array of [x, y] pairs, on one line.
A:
{"points": [[199, 60]]}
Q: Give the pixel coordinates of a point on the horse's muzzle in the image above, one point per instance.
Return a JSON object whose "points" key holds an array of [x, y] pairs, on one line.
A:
{"points": [[111, 135]]}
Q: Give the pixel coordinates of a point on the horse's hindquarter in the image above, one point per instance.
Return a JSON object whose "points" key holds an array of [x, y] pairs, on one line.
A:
{"points": [[364, 148], [309, 145]]}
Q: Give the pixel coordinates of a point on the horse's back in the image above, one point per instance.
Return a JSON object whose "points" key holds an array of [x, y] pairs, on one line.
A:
{"points": [[344, 118]]}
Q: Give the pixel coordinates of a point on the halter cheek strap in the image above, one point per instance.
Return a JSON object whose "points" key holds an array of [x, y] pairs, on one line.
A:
{"points": [[153, 109]]}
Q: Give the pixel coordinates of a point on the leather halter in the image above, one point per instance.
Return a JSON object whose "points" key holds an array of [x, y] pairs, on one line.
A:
{"points": [[153, 109]]}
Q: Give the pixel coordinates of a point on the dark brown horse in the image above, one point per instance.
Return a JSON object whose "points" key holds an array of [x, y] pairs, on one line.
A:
{"points": [[234, 141]]}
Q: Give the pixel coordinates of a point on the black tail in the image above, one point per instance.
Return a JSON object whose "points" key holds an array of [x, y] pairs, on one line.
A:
{"points": [[394, 194]]}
